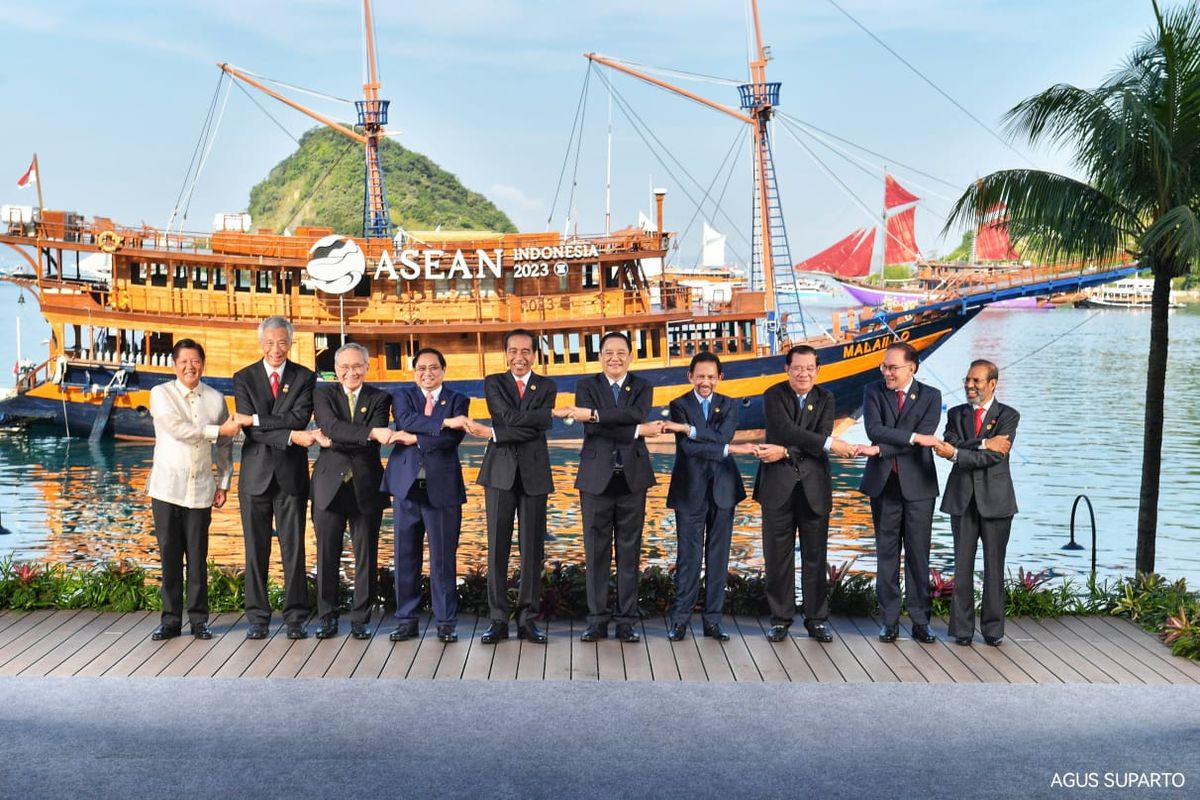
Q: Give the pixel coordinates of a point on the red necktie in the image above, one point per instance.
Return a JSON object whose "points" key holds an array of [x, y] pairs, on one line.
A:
{"points": [[429, 404], [521, 389], [979, 412], [899, 401], [275, 385]]}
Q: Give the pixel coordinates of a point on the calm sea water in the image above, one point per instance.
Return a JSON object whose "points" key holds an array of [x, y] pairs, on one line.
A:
{"points": [[1076, 376]]}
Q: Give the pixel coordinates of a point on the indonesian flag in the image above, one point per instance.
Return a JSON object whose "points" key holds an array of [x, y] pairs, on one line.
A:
{"points": [[29, 177]]}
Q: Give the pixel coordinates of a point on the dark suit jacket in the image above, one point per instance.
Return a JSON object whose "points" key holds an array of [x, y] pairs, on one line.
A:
{"points": [[266, 451], [922, 410], [702, 471], [615, 431], [352, 449], [982, 474], [520, 425], [436, 448], [803, 432]]}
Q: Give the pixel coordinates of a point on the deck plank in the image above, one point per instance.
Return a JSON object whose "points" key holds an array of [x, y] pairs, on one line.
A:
{"points": [[737, 653], [228, 635], [16, 659], [506, 659], [687, 658], [585, 656], [558, 650], [926, 658], [1089, 671], [1112, 663], [658, 649], [1045, 655], [30, 628], [887, 656], [837, 653], [712, 655], [274, 651], [10, 617], [136, 637], [610, 664], [1150, 647], [478, 662], [402, 654], [364, 660], [531, 661], [94, 651], [80, 640], [767, 660], [637, 657], [454, 658], [247, 652]]}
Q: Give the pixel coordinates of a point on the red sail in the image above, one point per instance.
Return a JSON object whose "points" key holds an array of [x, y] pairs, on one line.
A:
{"points": [[894, 194], [991, 240], [901, 245], [849, 258]]}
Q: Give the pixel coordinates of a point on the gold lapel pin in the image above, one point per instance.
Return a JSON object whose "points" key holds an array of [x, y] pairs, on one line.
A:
{"points": [[627, 388], [912, 396], [362, 410], [285, 388], [442, 403], [532, 387], [810, 407], [717, 410]]}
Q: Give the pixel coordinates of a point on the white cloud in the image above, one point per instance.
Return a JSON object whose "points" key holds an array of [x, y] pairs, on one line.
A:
{"points": [[514, 198]]}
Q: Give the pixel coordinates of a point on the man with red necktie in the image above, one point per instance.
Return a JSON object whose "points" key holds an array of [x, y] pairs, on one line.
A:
{"points": [[900, 415], [980, 500]]}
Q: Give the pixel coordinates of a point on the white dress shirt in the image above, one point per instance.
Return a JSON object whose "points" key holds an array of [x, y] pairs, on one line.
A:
{"points": [[187, 446]]}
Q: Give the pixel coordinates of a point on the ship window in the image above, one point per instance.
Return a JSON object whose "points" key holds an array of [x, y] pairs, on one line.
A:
{"points": [[200, 277], [589, 276], [509, 283], [564, 282], [655, 346], [219, 279], [639, 337], [303, 288], [441, 288], [487, 287], [158, 274], [558, 350], [612, 276], [262, 281], [241, 280], [573, 348], [180, 279], [392, 355], [137, 272], [591, 343]]}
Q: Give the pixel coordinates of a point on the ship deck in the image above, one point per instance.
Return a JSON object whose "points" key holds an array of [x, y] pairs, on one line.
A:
{"points": [[1053, 651]]}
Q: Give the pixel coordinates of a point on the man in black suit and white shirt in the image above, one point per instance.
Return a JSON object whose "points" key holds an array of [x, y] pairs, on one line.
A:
{"points": [[614, 474], [980, 500], [705, 488], [516, 479], [901, 416], [794, 488], [352, 418], [274, 401]]}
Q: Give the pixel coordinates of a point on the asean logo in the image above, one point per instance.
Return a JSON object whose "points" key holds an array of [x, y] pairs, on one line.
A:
{"points": [[336, 264]]}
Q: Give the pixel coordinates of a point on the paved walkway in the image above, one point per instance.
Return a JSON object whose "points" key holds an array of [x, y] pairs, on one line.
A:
{"points": [[1065, 650]]}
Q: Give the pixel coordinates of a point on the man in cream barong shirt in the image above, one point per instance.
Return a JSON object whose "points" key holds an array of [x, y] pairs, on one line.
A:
{"points": [[193, 431]]}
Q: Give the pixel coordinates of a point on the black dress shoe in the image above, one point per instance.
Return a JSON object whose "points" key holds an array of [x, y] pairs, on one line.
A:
{"points": [[777, 633], [963, 641], [531, 633], [626, 633], [328, 629], [403, 632], [295, 630], [445, 633], [714, 632], [358, 630], [165, 632], [495, 632], [257, 630], [922, 634], [994, 641], [677, 632], [594, 633], [200, 630], [819, 631], [888, 633]]}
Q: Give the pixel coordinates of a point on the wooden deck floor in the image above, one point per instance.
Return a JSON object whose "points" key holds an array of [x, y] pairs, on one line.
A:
{"points": [[1046, 651]]}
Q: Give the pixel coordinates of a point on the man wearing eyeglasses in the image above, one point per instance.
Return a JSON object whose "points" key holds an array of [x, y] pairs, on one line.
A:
{"points": [[901, 415], [980, 500]]}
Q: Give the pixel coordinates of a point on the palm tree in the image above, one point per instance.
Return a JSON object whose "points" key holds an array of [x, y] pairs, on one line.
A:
{"points": [[1136, 141]]}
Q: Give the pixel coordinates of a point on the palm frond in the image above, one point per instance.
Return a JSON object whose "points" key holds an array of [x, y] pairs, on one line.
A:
{"points": [[1172, 243]]}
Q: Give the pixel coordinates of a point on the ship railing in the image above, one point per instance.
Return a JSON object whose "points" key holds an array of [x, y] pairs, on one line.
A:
{"points": [[955, 282]]}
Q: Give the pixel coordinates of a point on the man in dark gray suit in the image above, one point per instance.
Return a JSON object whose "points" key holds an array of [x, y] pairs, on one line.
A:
{"points": [[353, 420], [516, 479], [794, 489], [274, 401], [614, 474], [980, 500], [705, 488], [901, 416]]}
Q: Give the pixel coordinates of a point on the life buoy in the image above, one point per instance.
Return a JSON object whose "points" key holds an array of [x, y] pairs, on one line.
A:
{"points": [[109, 241]]}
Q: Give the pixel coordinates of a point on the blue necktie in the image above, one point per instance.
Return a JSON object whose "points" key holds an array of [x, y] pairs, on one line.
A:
{"points": [[618, 462], [800, 398], [616, 387], [704, 407]]}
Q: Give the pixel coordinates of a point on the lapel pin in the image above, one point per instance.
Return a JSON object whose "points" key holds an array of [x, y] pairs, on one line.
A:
{"points": [[912, 396], [442, 403], [362, 410], [717, 410], [532, 387], [990, 425], [810, 406], [285, 388], [627, 388]]}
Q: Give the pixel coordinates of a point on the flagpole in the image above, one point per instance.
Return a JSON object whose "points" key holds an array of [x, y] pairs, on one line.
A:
{"points": [[37, 178]]}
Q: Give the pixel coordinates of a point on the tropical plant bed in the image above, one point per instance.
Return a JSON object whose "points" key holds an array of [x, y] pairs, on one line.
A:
{"points": [[1165, 608]]}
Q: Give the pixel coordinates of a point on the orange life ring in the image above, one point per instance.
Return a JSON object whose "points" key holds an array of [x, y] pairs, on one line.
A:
{"points": [[109, 241]]}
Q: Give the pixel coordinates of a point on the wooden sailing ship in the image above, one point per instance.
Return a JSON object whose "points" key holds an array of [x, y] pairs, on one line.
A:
{"points": [[112, 330]]}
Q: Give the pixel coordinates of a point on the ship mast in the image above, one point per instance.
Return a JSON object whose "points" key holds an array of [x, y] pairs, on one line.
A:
{"points": [[372, 117], [771, 268]]}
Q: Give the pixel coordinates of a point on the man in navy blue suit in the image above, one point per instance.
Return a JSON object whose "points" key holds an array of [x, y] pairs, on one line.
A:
{"points": [[425, 479], [901, 417], [705, 488]]}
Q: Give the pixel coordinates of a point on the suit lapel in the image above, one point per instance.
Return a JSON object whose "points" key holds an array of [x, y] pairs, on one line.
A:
{"points": [[286, 375]]}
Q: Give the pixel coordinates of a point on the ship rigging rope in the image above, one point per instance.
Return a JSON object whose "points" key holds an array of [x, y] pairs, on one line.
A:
{"points": [[205, 129], [263, 109], [294, 87], [728, 160], [211, 137], [658, 150], [933, 85], [575, 127], [676, 73]]}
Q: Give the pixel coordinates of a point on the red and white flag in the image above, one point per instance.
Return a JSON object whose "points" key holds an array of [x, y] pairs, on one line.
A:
{"points": [[29, 177]]}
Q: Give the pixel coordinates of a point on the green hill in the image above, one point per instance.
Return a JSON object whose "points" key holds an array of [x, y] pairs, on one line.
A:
{"points": [[322, 184]]}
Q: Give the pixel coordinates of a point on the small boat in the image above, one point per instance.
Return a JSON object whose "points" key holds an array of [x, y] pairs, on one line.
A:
{"points": [[1126, 293]]}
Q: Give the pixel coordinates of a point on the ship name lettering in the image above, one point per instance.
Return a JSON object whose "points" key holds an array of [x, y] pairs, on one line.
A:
{"points": [[427, 264], [873, 345]]}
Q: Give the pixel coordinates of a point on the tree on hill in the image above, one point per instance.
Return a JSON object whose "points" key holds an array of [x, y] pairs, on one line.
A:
{"points": [[322, 184], [1136, 141]]}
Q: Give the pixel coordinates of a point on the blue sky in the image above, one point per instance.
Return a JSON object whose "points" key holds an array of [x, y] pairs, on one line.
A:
{"points": [[112, 97]]}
